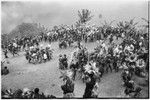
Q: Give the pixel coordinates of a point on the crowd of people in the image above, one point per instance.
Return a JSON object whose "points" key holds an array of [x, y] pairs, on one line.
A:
{"points": [[130, 56], [25, 94], [39, 54]]}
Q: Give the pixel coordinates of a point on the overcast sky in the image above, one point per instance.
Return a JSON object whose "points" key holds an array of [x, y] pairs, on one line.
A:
{"points": [[58, 12]]}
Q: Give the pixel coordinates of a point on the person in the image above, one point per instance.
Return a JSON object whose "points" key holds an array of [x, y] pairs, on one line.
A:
{"points": [[78, 44], [101, 68], [27, 93], [140, 64], [68, 88], [5, 53], [36, 94], [45, 56], [5, 71], [60, 62], [27, 55], [89, 86], [65, 61], [129, 87], [125, 76], [137, 92], [131, 68], [74, 66], [115, 64], [108, 63]]}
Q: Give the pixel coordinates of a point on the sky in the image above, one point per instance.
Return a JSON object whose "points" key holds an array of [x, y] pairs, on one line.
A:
{"points": [[56, 12]]}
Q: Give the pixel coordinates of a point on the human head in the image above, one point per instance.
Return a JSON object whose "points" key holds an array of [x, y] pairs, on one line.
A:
{"points": [[64, 55], [36, 90]]}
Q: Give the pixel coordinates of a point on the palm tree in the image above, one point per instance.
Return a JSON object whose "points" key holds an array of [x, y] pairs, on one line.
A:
{"points": [[147, 21], [84, 16], [107, 25], [145, 27], [131, 24], [129, 27]]}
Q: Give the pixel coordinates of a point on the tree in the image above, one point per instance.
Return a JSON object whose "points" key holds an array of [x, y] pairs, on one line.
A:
{"points": [[84, 16], [106, 24], [127, 25], [147, 21], [131, 24]]}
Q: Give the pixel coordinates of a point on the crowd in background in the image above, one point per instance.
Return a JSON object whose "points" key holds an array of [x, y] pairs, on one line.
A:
{"points": [[131, 56]]}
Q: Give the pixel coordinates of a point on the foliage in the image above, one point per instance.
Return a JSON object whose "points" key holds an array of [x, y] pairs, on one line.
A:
{"points": [[84, 16], [127, 25], [147, 23], [106, 24]]}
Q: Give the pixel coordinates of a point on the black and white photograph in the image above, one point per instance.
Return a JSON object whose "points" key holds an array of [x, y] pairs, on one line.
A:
{"points": [[75, 49]]}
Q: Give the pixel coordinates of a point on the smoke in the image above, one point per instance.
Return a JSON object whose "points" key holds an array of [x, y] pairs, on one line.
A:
{"points": [[14, 13], [65, 12]]}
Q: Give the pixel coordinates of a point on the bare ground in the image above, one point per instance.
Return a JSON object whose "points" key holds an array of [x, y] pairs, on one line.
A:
{"points": [[45, 76]]}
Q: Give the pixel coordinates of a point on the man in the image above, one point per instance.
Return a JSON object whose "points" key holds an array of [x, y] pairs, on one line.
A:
{"points": [[115, 65], [47, 53], [65, 61], [108, 63], [36, 94], [140, 65], [60, 62], [45, 56], [27, 55], [68, 88], [126, 76], [74, 66], [89, 86], [5, 71], [129, 87], [5, 53]]}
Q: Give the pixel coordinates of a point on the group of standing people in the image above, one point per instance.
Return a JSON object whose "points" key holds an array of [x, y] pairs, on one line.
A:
{"points": [[130, 56], [39, 54]]}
